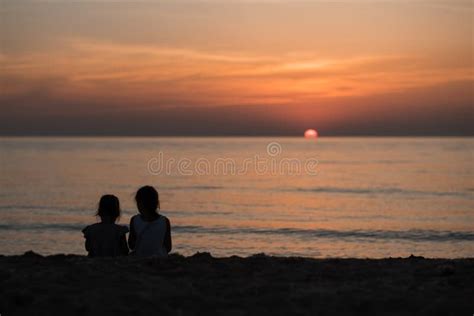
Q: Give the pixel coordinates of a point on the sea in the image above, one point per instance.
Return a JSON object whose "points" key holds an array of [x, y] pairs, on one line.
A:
{"points": [[362, 197]]}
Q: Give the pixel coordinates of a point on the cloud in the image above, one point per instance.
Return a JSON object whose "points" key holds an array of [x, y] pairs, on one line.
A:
{"points": [[93, 69]]}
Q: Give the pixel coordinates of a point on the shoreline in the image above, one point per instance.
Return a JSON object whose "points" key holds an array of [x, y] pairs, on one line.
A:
{"points": [[202, 284]]}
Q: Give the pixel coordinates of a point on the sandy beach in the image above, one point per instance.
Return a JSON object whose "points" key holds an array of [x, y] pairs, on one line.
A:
{"points": [[201, 284]]}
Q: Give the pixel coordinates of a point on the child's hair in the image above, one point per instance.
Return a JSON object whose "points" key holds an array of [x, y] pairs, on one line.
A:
{"points": [[147, 197], [109, 206]]}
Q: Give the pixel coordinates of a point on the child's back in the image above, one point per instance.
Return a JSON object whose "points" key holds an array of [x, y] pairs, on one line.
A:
{"points": [[150, 236], [150, 232], [106, 240]]}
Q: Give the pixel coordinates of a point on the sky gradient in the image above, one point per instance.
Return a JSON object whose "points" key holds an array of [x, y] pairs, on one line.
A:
{"points": [[236, 68]]}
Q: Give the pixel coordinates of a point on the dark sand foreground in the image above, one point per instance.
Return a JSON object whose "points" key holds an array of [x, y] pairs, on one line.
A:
{"points": [[76, 285]]}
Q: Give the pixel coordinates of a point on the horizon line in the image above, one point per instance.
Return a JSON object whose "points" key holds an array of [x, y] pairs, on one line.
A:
{"points": [[234, 135]]}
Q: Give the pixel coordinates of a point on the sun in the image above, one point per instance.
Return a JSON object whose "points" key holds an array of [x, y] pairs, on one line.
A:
{"points": [[311, 133]]}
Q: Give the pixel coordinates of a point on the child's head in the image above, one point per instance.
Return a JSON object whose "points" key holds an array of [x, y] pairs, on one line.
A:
{"points": [[147, 200], [109, 207]]}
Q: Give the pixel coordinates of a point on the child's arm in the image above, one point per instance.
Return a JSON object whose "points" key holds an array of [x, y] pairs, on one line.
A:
{"points": [[87, 242], [168, 244], [123, 245], [132, 236], [88, 245]]}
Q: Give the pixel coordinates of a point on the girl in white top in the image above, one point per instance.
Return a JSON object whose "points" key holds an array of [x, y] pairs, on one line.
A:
{"points": [[150, 232]]}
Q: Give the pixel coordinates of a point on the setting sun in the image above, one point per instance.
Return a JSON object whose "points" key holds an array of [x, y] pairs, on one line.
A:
{"points": [[310, 133]]}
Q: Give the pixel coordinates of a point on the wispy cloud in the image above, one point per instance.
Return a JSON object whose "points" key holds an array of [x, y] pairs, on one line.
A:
{"points": [[90, 68]]}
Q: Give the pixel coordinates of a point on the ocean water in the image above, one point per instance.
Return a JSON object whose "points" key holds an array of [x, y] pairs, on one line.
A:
{"points": [[330, 197]]}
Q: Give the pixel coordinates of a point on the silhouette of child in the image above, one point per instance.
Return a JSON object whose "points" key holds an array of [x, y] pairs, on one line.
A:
{"points": [[150, 232], [106, 239]]}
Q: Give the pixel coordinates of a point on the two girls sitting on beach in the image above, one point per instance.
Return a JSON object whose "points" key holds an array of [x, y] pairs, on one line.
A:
{"points": [[150, 232]]}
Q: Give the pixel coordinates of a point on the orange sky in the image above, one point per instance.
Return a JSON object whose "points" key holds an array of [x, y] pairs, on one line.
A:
{"points": [[244, 67]]}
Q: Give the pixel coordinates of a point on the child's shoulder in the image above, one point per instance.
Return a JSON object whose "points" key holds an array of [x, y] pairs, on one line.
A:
{"points": [[90, 228], [135, 218], [122, 229], [161, 215]]}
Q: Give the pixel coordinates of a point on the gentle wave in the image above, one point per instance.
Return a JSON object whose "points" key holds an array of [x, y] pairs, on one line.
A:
{"points": [[414, 235], [411, 235], [364, 162], [194, 187], [43, 227], [334, 190], [383, 191]]}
